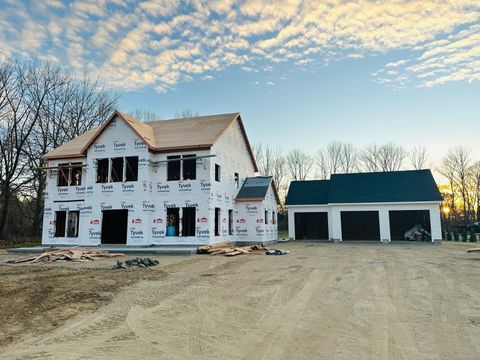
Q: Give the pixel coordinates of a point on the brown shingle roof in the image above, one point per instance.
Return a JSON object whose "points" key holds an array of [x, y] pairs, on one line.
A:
{"points": [[198, 132]]}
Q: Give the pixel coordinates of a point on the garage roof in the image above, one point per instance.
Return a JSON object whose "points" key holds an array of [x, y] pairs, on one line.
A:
{"points": [[395, 186], [308, 192]]}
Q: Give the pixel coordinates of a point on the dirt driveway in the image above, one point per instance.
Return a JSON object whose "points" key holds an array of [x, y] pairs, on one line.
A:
{"points": [[322, 301]]}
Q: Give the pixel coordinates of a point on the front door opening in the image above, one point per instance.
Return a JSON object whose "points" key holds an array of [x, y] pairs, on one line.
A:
{"points": [[311, 226], [114, 227], [410, 225], [188, 221], [173, 221], [360, 225]]}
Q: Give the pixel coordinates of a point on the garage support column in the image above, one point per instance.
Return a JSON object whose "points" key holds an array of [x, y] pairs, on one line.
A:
{"points": [[291, 224], [336, 228], [435, 223], [384, 220]]}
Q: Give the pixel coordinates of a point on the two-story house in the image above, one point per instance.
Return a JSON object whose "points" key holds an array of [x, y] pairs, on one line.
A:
{"points": [[180, 181]]}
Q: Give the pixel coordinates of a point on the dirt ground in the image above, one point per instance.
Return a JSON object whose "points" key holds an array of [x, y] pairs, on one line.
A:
{"points": [[321, 301]]}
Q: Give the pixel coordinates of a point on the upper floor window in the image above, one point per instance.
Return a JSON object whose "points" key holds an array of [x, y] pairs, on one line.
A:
{"points": [[117, 169], [266, 217], [131, 168], [236, 180], [274, 220], [116, 173], [217, 172], [181, 167], [69, 174], [189, 167], [102, 170], [173, 168]]}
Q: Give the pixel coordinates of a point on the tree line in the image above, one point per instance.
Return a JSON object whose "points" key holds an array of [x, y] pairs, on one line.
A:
{"points": [[41, 107], [458, 174]]}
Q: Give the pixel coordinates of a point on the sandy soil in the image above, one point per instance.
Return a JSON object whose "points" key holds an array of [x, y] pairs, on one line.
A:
{"points": [[322, 301]]}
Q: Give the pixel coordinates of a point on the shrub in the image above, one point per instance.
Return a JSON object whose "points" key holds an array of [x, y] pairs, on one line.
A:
{"points": [[449, 236], [455, 235], [464, 236], [473, 236]]}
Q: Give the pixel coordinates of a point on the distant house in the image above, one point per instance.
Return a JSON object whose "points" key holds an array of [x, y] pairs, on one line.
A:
{"points": [[180, 181], [364, 206]]}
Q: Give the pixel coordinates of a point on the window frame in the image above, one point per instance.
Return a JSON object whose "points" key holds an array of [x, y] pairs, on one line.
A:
{"points": [[230, 222], [63, 173], [77, 224], [107, 172], [174, 160], [114, 176], [218, 173], [185, 158], [57, 232], [77, 166], [217, 221], [127, 166]]}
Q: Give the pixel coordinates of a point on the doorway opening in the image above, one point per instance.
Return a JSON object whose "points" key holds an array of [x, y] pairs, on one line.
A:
{"points": [[114, 227]]}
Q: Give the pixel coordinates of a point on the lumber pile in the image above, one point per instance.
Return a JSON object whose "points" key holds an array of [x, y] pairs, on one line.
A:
{"points": [[50, 255], [228, 249], [472, 250]]}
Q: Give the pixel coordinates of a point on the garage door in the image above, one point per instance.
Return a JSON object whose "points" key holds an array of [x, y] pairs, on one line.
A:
{"points": [[311, 226], [360, 225], [402, 221]]}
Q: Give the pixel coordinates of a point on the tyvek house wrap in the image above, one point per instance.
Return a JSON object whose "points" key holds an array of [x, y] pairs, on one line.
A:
{"points": [[148, 198]]}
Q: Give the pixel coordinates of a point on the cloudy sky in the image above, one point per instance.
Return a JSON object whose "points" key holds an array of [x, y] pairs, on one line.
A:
{"points": [[302, 73]]}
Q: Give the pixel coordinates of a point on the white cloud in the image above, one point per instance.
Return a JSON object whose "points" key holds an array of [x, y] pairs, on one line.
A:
{"points": [[159, 43]]}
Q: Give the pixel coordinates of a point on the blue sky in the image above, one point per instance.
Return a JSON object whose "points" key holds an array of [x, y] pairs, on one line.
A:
{"points": [[302, 73]]}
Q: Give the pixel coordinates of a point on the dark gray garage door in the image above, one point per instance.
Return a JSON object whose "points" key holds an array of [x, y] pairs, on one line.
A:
{"points": [[360, 225], [403, 220], [311, 226]]}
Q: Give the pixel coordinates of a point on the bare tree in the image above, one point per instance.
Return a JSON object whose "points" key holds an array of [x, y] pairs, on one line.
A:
{"points": [[186, 113], [419, 157], [456, 168], [299, 164], [24, 89], [271, 162], [69, 109], [144, 115], [475, 187], [335, 158], [387, 157]]}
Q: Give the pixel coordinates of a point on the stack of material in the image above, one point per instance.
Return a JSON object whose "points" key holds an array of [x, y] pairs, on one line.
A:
{"points": [[228, 249], [472, 250], [137, 262], [67, 254]]}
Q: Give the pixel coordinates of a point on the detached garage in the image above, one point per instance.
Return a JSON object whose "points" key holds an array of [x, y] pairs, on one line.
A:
{"points": [[383, 206]]}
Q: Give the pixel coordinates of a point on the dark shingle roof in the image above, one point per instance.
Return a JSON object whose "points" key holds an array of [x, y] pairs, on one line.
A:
{"points": [[254, 188], [395, 186], [309, 192]]}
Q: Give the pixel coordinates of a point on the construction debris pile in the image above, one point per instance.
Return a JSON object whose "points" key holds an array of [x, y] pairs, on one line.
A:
{"points": [[228, 249], [50, 255], [137, 262]]}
